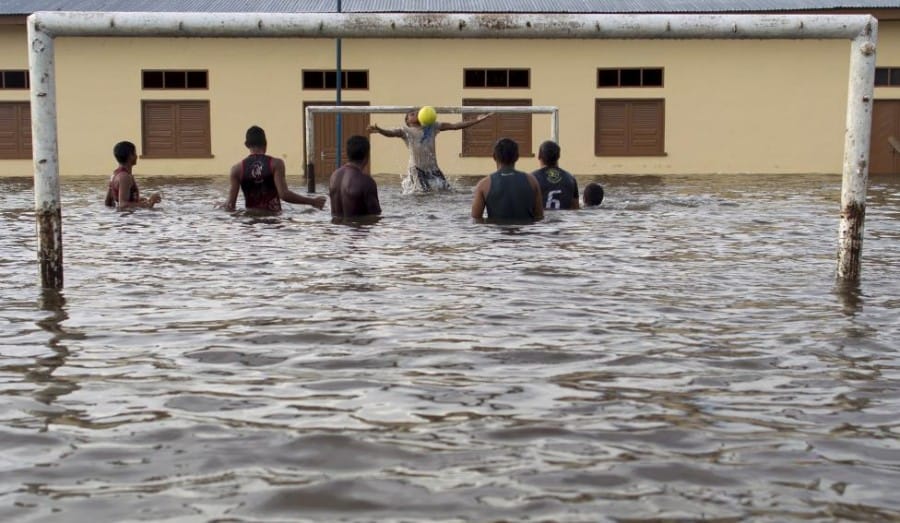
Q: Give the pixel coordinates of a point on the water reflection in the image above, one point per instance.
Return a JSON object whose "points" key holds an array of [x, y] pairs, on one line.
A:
{"points": [[850, 295], [53, 302]]}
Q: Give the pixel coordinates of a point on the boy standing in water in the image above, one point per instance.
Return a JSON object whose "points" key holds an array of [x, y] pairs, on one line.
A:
{"points": [[122, 191], [261, 178], [508, 194], [423, 174], [559, 190], [354, 193]]}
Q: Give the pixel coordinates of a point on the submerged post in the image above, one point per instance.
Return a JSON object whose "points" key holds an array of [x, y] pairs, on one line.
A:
{"points": [[856, 152], [310, 159], [45, 155]]}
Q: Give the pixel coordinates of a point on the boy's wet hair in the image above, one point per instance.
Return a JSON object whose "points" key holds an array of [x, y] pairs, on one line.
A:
{"points": [[593, 194], [357, 148], [256, 137], [123, 150], [506, 151], [549, 153]]}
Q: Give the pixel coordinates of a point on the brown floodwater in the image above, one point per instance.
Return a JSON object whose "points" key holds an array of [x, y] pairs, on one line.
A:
{"points": [[681, 353]]}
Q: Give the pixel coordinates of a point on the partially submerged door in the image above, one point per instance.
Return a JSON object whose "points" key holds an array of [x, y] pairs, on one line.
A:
{"points": [[884, 153], [325, 138]]}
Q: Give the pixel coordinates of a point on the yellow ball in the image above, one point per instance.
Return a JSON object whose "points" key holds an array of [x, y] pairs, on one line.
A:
{"points": [[427, 116]]}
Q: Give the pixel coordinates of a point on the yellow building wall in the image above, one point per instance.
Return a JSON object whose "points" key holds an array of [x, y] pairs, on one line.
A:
{"points": [[730, 106]]}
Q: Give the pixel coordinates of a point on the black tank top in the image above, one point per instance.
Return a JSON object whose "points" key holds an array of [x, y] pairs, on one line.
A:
{"points": [[258, 183], [511, 196]]}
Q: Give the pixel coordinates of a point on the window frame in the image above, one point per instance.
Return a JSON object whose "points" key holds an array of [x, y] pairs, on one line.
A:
{"points": [[892, 74], [329, 79], [487, 71], [8, 72], [642, 83], [173, 73]]}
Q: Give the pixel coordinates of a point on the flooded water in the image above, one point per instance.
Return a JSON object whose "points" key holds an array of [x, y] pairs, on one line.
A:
{"points": [[682, 353]]}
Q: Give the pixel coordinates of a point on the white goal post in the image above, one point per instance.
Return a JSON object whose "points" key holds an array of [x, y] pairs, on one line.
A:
{"points": [[44, 27], [403, 109]]}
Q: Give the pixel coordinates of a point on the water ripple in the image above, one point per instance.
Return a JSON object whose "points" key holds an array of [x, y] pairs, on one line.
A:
{"points": [[681, 353]]}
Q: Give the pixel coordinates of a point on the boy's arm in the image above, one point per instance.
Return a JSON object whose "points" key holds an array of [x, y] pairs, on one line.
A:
{"points": [[462, 124], [288, 195], [390, 133], [125, 183], [373, 206], [538, 200], [478, 202], [235, 177]]}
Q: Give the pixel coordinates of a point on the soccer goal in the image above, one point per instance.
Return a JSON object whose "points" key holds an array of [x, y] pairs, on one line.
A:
{"points": [[45, 27], [403, 109]]}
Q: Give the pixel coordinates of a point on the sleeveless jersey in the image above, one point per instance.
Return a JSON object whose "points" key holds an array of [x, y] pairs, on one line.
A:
{"points": [[510, 197], [133, 195], [258, 183], [558, 187]]}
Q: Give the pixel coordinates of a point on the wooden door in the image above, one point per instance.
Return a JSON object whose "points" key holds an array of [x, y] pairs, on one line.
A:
{"points": [[884, 154], [325, 137]]}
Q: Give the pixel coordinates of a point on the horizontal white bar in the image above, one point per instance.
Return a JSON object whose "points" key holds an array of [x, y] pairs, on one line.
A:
{"points": [[450, 25], [366, 109]]}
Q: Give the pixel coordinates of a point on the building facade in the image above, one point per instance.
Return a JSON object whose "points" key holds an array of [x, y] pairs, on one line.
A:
{"points": [[625, 106]]}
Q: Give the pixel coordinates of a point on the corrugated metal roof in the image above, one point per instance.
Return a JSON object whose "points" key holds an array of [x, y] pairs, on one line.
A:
{"points": [[19, 7]]}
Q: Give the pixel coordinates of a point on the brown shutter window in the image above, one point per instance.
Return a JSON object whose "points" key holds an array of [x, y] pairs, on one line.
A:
{"points": [[629, 128], [479, 139], [176, 129], [15, 130]]}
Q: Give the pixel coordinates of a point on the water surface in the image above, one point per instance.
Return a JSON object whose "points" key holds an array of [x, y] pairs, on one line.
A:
{"points": [[681, 353]]}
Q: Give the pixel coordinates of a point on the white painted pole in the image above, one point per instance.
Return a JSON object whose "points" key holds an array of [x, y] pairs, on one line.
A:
{"points": [[310, 150], [857, 142], [554, 126], [452, 25], [45, 155]]}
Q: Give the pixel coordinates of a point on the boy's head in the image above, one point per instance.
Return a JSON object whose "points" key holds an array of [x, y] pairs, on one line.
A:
{"points": [[549, 153], [593, 194], [357, 148], [123, 151], [506, 151], [256, 137]]}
